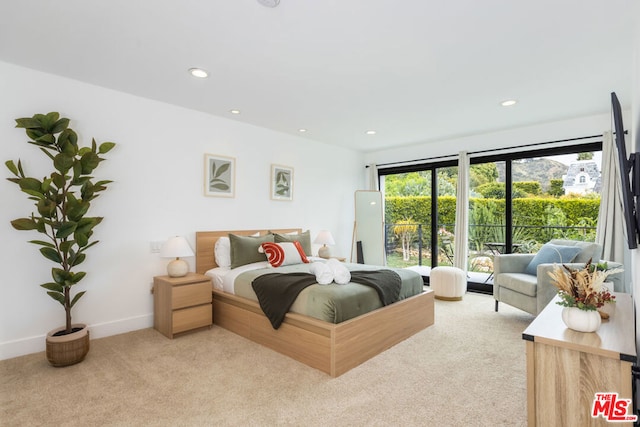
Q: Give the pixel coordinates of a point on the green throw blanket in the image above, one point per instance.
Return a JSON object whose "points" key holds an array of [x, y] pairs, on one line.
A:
{"points": [[276, 292]]}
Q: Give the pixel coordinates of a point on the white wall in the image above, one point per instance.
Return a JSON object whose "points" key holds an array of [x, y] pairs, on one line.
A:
{"points": [[157, 168], [552, 131]]}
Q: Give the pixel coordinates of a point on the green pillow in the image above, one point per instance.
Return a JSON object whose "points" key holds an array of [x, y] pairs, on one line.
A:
{"points": [[244, 249], [303, 238], [549, 254]]}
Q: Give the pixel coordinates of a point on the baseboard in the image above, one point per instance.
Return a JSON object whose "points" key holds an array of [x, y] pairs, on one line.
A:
{"points": [[21, 347]]}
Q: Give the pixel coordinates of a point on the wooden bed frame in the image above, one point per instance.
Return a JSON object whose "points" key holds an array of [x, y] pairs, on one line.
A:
{"points": [[331, 348]]}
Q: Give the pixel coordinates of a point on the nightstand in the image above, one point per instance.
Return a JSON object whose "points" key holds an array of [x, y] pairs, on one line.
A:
{"points": [[181, 304]]}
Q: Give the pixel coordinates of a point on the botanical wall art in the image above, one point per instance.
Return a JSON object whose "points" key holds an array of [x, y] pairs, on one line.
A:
{"points": [[219, 176], [281, 182]]}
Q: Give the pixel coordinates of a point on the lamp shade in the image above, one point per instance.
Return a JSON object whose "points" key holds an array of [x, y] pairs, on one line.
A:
{"points": [[176, 247], [324, 237]]}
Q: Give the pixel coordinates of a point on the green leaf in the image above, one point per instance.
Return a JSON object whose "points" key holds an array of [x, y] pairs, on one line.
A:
{"points": [[53, 287], [60, 125], [46, 184], [24, 224], [51, 254], [57, 296], [30, 184], [58, 180], [46, 139], [63, 162], [12, 167], [49, 120], [37, 194], [67, 142], [42, 243], [47, 208], [76, 277], [41, 225], [27, 123], [77, 259], [65, 247], [60, 276], [89, 162], [76, 298], [66, 229], [105, 147], [76, 212]]}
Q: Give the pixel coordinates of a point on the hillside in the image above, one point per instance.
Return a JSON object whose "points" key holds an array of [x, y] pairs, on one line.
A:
{"points": [[538, 169]]}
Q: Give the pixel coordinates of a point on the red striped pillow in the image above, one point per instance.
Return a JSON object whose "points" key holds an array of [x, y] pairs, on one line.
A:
{"points": [[285, 253]]}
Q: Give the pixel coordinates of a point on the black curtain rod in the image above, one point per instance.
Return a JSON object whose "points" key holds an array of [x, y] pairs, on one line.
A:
{"points": [[580, 138]]}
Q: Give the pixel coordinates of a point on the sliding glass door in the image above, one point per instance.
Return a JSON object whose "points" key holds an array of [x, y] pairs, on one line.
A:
{"points": [[518, 201], [420, 216]]}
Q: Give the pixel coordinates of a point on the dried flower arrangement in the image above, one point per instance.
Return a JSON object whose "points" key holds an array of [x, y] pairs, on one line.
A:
{"points": [[583, 288]]}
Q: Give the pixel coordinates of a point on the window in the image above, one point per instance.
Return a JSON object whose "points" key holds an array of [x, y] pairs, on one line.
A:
{"points": [[518, 201]]}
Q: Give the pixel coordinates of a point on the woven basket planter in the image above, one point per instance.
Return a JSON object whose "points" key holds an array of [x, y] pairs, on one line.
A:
{"points": [[69, 349]]}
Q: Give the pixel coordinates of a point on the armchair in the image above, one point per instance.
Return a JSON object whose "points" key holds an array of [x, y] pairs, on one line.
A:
{"points": [[513, 285]]}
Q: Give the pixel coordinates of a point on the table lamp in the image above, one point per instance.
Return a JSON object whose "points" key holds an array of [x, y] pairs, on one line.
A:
{"points": [[176, 247], [324, 238]]}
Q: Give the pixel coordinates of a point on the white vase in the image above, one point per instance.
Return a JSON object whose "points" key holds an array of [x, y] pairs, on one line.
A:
{"points": [[581, 320]]}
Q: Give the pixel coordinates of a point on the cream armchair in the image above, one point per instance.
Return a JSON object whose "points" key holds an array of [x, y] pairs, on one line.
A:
{"points": [[514, 284]]}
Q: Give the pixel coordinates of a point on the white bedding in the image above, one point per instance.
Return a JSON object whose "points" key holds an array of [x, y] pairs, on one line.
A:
{"points": [[224, 277]]}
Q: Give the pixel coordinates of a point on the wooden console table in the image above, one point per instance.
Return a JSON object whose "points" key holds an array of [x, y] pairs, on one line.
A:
{"points": [[565, 368]]}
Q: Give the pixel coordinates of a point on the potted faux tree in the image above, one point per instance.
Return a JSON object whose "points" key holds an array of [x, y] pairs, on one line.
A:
{"points": [[62, 199]]}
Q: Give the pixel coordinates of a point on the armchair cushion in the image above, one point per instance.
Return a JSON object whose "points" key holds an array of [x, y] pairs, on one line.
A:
{"points": [[588, 250], [522, 283], [550, 253]]}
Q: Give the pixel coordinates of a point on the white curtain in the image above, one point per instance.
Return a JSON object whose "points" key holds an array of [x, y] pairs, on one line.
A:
{"points": [[461, 243], [610, 230], [373, 177]]}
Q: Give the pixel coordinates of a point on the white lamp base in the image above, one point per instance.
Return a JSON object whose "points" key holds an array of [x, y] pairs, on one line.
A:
{"points": [[178, 268], [324, 252]]}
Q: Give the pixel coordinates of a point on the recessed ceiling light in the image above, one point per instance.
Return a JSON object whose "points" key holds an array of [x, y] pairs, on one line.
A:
{"points": [[370, 132], [198, 72], [302, 130], [234, 111], [508, 102]]}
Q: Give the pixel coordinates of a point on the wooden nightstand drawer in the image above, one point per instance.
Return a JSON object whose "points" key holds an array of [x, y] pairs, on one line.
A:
{"points": [[181, 303], [190, 295], [191, 318]]}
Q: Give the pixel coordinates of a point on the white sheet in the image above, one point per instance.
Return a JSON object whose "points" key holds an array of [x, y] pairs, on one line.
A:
{"points": [[225, 277]]}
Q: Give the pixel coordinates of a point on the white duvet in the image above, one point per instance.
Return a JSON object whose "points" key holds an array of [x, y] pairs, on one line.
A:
{"points": [[225, 277]]}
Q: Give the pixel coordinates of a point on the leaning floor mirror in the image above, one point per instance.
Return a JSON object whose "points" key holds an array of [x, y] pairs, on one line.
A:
{"points": [[368, 229]]}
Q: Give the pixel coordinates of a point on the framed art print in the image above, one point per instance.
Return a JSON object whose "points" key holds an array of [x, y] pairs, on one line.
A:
{"points": [[281, 182], [219, 176]]}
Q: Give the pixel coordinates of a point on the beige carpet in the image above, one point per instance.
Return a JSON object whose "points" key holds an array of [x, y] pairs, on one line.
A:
{"points": [[466, 370]]}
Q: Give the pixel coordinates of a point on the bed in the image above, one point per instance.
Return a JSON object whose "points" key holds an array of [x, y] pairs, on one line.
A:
{"points": [[333, 348]]}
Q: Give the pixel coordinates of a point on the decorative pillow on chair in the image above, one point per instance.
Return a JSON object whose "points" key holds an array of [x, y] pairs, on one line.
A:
{"points": [[284, 253], [244, 249], [549, 254]]}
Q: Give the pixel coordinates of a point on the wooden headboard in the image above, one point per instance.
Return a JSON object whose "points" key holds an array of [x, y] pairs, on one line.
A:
{"points": [[206, 240]]}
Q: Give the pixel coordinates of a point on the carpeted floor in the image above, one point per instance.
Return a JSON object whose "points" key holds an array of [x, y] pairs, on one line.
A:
{"points": [[466, 370]]}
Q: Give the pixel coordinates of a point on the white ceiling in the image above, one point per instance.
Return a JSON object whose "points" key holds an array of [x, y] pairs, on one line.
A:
{"points": [[413, 70]]}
